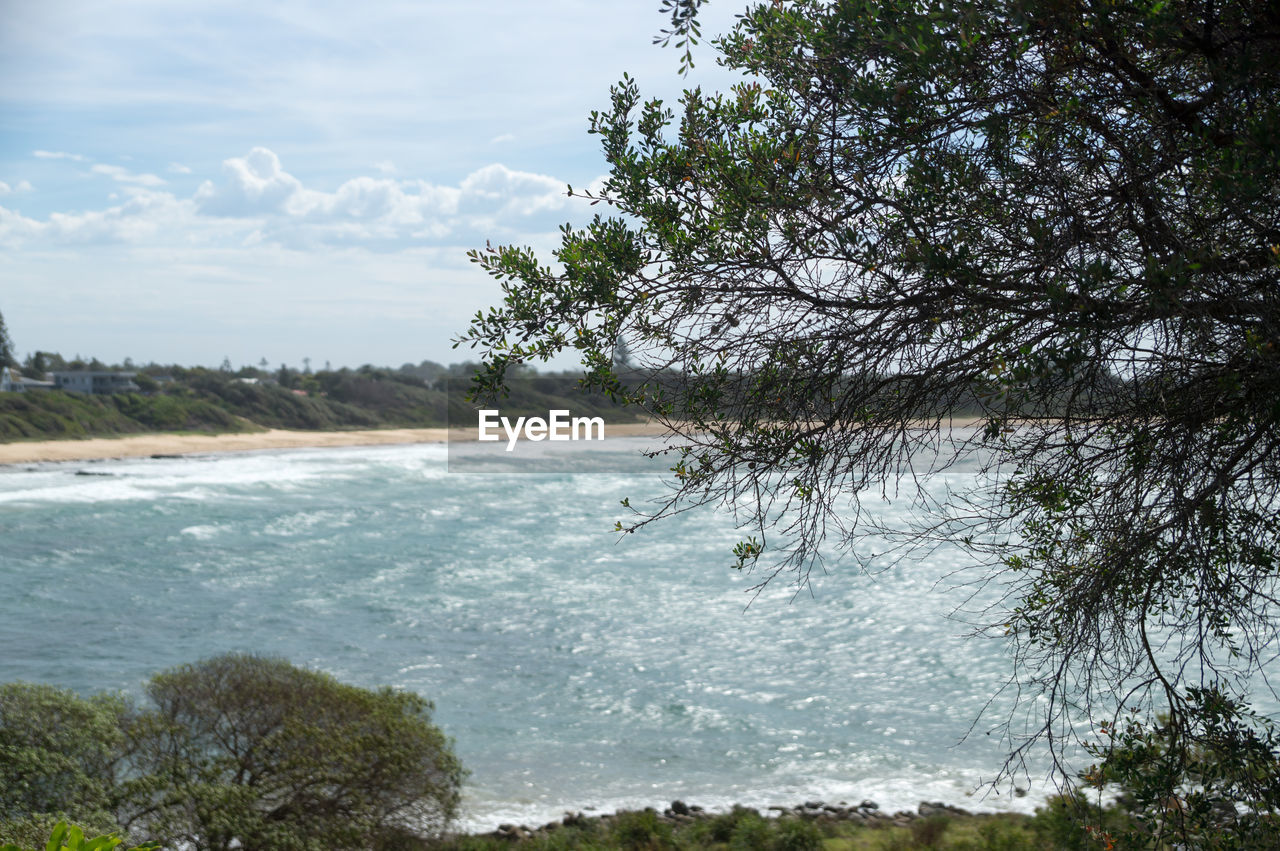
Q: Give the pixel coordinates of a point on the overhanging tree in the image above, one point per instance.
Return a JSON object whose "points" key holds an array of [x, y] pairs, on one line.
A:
{"points": [[1062, 218]]}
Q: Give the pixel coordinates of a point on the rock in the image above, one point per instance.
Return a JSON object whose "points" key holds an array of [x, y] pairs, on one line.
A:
{"points": [[814, 805], [868, 805], [930, 808], [680, 808]]}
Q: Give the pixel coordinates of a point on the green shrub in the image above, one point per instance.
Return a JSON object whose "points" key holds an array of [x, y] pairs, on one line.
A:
{"points": [[927, 832], [253, 752], [794, 834], [752, 832], [720, 827], [36, 831], [1071, 822], [72, 838], [238, 751], [58, 753], [999, 834], [641, 830]]}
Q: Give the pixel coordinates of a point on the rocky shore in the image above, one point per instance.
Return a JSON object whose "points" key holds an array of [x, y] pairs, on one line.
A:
{"points": [[679, 813]]}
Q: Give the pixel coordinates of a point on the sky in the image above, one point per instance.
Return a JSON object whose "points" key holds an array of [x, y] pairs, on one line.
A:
{"points": [[183, 182]]}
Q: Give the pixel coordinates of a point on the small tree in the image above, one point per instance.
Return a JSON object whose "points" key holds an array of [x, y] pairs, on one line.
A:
{"points": [[252, 752], [7, 357]]}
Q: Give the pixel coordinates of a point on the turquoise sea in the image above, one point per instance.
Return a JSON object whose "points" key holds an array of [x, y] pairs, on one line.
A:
{"points": [[574, 669]]}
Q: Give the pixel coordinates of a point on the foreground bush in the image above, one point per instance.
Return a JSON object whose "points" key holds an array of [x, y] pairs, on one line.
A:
{"points": [[238, 751], [66, 837], [58, 753]]}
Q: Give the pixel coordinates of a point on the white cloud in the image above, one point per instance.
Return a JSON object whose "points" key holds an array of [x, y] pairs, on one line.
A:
{"points": [[496, 189], [179, 168], [385, 166], [140, 219], [256, 201], [123, 175], [255, 184], [57, 155], [502, 139]]}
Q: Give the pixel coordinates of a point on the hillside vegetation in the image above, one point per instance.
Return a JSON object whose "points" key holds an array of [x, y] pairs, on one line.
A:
{"points": [[207, 400]]}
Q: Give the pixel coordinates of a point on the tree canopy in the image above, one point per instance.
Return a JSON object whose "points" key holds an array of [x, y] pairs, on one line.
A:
{"points": [[237, 751], [1059, 218], [56, 753]]}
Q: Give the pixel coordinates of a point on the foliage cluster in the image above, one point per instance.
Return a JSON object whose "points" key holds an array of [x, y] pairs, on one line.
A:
{"points": [[1053, 828], [234, 751], [50, 414], [198, 399], [67, 837]]}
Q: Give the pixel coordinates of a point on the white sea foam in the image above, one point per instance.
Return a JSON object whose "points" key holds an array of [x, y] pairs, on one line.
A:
{"points": [[204, 533]]}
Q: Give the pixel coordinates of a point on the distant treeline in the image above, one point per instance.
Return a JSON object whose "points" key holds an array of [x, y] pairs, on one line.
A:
{"points": [[175, 398], [200, 399]]}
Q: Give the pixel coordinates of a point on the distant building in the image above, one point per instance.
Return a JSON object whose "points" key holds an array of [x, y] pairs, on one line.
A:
{"points": [[35, 383], [85, 381], [12, 381]]}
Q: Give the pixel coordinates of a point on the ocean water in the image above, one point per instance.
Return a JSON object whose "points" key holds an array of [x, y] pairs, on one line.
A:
{"points": [[575, 670]]}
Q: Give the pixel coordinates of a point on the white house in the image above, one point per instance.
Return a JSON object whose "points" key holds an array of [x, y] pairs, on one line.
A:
{"points": [[84, 381]]}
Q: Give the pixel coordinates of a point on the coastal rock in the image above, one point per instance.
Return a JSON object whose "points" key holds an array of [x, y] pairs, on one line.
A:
{"points": [[514, 832], [680, 808], [929, 808]]}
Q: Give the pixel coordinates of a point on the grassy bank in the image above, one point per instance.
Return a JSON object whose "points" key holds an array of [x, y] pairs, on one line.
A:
{"points": [[815, 827], [211, 401], [45, 415]]}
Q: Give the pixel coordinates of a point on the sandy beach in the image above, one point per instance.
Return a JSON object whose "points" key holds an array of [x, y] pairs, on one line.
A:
{"points": [[146, 445]]}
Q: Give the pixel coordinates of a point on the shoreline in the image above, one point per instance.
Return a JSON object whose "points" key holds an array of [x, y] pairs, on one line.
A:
{"points": [[168, 443], [165, 444], [834, 819]]}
